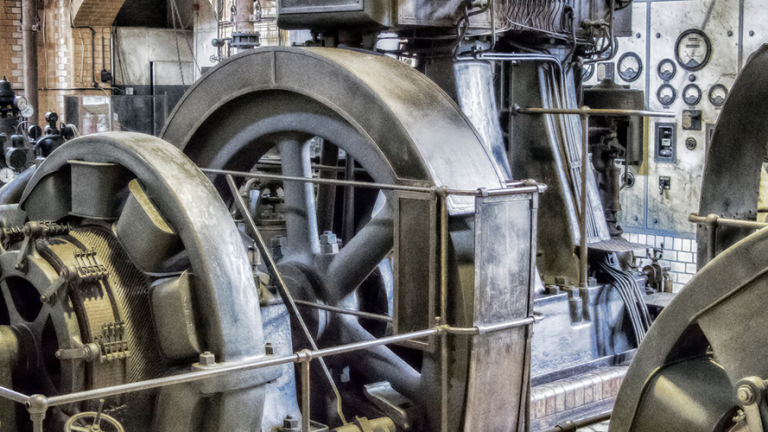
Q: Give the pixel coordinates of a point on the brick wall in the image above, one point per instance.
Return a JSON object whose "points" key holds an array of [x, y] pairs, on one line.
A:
{"points": [[64, 53], [11, 61]]}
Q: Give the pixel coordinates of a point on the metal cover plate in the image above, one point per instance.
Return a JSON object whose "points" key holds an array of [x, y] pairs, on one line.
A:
{"points": [[505, 249]]}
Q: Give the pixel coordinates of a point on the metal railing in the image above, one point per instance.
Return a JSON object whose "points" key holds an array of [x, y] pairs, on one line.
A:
{"points": [[713, 221], [37, 405]]}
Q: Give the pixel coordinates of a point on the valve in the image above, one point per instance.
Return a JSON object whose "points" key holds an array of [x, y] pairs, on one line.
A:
{"points": [[79, 422]]}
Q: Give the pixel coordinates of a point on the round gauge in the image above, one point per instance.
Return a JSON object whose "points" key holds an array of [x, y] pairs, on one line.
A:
{"points": [[717, 95], [691, 94], [630, 67], [693, 49], [7, 175], [667, 69], [27, 112], [587, 72], [666, 94], [21, 103]]}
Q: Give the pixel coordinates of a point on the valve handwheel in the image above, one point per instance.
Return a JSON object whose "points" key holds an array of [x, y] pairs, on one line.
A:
{"points": [[76, 422]]}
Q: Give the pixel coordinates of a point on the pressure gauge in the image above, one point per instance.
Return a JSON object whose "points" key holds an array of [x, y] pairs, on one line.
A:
{"points": [[717, 95], [667, 69], [691, 94], [21, 103], [7, 175], [587, 72], [693, 49], [27, 112], [666, 95], [630, 67]]}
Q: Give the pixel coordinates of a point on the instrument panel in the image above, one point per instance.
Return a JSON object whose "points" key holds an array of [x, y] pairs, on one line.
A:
{"points": [[689, 54]]}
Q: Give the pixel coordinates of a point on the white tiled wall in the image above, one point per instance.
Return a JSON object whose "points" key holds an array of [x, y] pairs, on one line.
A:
{"points": [[679, 255]]}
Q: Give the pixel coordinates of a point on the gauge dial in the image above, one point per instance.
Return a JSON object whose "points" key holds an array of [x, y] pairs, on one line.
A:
{"points": [[27, 112], [21, 103], [630, 67], [667, 69], [7, 175], [666, 95], [587, 72], [693, 49], [691, 94], [717, 95]]}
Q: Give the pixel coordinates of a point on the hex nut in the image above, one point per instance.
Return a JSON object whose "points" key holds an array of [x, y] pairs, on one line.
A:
{"points": [[746, 395], [207, 359]]}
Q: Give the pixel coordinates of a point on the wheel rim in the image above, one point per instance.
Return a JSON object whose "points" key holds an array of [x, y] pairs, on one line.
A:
{"points": [[396, 123], [139, 179]]}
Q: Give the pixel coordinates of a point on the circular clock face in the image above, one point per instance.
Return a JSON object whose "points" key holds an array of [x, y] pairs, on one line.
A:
{"points": [[691, 94], [717, 95], [630, 66], [589, 70], [693, 49], [667, 69], [7, 175], [666, 95]]}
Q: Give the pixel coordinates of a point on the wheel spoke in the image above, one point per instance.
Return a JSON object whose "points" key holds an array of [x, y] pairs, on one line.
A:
{"points": [[326, 194], [79, 428], [360, 256], [378, 363], [300, 213]]}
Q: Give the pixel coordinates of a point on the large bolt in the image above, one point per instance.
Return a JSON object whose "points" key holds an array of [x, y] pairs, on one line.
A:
{"points": [[329, 243], [290, 424], [207, 359], [746, 395]]}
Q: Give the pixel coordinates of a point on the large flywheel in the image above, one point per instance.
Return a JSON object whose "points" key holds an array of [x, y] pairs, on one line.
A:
{"points": [[344, 114], [121, 264], [702, 366]]}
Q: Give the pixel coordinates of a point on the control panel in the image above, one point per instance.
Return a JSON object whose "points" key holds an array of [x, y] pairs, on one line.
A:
{"points": [[685, 56]]}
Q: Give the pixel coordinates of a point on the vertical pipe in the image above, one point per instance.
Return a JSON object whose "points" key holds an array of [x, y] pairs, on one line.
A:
{"points": [[29, 42], [305, 413], [443, 309], [244, 10], [583, 216]]}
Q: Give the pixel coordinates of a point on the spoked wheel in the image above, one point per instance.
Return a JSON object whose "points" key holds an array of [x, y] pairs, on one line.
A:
{"points": [[398, 127], [125, 267]]}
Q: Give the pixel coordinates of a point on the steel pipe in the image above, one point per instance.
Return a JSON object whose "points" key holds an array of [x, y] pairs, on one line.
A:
{"points": [[29, 43], [593, 112], [513, 188], [716, 221]]}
